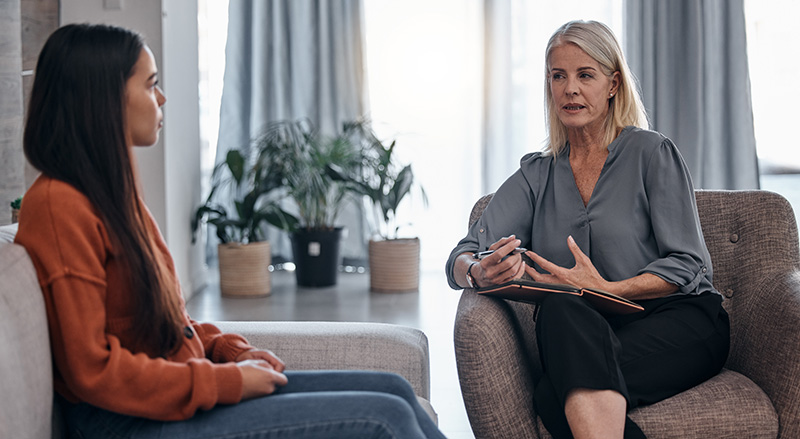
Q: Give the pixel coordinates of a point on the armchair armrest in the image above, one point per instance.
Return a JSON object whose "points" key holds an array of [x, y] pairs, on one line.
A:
{"points": [[339, 345], [767, 351], [495, 375]]}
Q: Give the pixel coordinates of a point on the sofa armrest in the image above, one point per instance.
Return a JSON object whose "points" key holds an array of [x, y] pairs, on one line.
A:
{"points": [[767, 351], [26, 377], [494, 372], [343, 346]]}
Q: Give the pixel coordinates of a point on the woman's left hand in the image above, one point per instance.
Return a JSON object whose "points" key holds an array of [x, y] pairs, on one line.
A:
{"points": [[260, 354], [582, 275]]}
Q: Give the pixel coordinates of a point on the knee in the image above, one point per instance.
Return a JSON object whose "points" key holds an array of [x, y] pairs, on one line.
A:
{"points": [[561, 306], [400, 386], [394, 379], [392, 383], [390, 412], [564, 316]]}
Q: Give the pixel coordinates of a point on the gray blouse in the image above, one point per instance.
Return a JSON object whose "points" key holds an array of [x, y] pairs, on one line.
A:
{"points": [[641, 218]]}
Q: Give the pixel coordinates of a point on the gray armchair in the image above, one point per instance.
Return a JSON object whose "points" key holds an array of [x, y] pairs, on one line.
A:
{"points": [[753, 240]]}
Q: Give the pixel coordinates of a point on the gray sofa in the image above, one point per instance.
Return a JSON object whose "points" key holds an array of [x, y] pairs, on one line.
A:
{"points": [[753, 240], [25, 365]]}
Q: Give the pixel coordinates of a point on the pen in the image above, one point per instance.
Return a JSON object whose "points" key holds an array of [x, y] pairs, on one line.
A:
{"points": [[483, 254]]}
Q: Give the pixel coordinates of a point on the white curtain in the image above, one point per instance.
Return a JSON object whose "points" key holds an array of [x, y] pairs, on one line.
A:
{"points": [[499, 127], [287, 60], [515, 35], [459, 84], [691, 60]]}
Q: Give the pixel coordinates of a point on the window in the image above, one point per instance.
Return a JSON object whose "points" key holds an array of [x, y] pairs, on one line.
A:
{"points": [[772, 39], [425, 69], [425, 74], [212, 25]]}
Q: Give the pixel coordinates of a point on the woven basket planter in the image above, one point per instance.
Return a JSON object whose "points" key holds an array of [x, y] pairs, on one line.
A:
{"points": [[14, 215], [394, 265], [244, 269]]}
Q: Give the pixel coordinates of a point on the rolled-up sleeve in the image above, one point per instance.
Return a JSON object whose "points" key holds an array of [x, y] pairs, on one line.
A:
{"points": [[683, 257], [219, 347]]}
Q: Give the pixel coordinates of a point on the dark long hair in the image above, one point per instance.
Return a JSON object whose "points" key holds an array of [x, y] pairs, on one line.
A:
{"points": [[75, 132]]}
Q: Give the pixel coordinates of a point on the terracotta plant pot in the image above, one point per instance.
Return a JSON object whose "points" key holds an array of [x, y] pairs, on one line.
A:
{"points": [[394, 265], [244, 269]]}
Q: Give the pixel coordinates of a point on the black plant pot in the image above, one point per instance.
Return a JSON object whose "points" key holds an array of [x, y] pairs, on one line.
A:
{"points": [[316, 256]]}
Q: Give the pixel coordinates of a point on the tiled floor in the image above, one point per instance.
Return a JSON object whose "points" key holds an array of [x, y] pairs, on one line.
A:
{"points": [[432, 310]]}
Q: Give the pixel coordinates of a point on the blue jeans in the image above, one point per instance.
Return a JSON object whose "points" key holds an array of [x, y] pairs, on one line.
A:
{"points": [[314, 404]]}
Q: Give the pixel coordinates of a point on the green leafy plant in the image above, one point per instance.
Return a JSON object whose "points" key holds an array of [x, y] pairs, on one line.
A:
{"points": [[255, 192], [16, 204], [301, 155], [379, 178]]}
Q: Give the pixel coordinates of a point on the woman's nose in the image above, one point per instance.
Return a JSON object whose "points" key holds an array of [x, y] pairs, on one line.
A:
{"points": [[572, 87], [161, 99], [572, 91]]}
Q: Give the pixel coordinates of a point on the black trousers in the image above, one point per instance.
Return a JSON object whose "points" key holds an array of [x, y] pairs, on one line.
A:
{"points": [[674, 344]]}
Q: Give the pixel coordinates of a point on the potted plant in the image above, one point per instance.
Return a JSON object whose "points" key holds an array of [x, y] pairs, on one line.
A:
{"points": [[15, 205], [393, 261], [302, 155], [244, 255]]}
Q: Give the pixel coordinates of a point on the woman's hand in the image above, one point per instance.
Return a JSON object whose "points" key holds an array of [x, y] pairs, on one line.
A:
{"points": [[585, 275], [497, 268], [259, 378], [265, 355], [582, 275]]}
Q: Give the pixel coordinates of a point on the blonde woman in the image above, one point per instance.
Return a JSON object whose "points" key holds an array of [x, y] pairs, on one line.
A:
{"points": [[609, 205]]}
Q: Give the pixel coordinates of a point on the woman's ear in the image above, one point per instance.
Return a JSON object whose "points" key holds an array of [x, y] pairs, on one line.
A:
{"points": [[616, 79]]}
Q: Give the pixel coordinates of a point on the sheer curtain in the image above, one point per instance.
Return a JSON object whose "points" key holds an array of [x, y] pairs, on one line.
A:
{"points": [[287, 60], [515, 37], [691, 60], [424, 61], [459, 84]]}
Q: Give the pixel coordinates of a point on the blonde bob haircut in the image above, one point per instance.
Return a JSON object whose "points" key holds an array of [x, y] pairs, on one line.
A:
{"points": [[625, 107]]}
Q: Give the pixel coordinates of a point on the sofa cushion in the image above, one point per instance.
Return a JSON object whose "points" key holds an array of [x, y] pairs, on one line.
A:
{"points": [[728, 405], [26, 381], [8, 232]]}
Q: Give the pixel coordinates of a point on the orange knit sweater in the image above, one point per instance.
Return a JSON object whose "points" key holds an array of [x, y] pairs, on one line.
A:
{"points": [[89, 314]]}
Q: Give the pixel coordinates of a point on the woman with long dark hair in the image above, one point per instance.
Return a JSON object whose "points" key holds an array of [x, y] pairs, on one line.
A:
{"points": [[129, 361]]}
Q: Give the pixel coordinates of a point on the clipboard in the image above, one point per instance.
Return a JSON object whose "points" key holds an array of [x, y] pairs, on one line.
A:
{"points": [[528, 291]]}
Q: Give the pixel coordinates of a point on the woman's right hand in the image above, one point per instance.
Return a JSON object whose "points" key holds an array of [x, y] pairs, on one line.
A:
{"points": [[259, 378], [501, 266]]}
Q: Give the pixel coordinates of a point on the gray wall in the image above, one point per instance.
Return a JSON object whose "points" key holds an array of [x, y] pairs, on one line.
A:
{"points": [[12, 160]]}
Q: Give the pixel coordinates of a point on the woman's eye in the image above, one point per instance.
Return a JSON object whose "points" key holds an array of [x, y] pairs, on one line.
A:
{"points": [[558, 76], [586, 75]]}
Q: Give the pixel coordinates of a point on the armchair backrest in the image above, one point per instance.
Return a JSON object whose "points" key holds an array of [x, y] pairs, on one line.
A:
{"points": [[751, 235]]}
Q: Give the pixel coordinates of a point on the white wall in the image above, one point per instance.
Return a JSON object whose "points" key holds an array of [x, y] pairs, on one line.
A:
{"points": [[12, 159], [182, 142], [169, 170]]}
